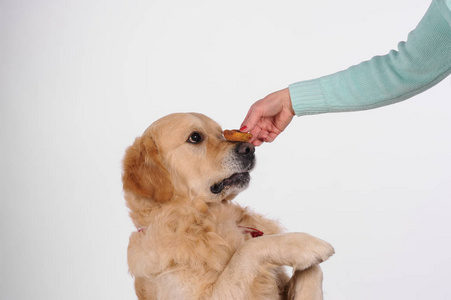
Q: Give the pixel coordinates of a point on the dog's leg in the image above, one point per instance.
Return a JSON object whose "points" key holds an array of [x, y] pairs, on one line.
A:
{"points": [[298, 250], [306, 284]]}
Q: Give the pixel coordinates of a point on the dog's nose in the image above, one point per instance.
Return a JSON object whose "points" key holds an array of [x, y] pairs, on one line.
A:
{"points": [[245, 148]]}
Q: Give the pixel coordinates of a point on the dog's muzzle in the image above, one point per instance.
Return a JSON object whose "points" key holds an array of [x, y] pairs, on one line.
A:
{"points": [[244, 157]]}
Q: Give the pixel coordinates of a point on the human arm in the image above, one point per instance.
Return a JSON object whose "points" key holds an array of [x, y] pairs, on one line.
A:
{"points": [[420, 63]]}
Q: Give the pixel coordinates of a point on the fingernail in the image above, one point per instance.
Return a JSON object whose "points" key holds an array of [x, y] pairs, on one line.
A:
{"points": [[244, 128]]}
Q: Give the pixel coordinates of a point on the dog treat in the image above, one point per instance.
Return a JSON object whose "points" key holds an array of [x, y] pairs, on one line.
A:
{"points": [[237, 136]]}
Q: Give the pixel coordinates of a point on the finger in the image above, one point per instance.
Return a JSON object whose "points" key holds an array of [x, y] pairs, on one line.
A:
{"points": [[243, 127], [255, 133], [263, 135], [253, 116], [271, 137], [257, 142]]}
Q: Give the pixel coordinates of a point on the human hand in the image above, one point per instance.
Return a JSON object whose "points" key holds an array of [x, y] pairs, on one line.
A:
{"points": [[268, 117]]}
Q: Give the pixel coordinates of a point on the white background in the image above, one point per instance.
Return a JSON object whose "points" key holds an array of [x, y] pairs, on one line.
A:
{"points": [[81, 79]]}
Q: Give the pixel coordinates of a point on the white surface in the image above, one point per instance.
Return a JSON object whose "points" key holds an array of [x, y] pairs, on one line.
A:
{"points": [[81, 79]]}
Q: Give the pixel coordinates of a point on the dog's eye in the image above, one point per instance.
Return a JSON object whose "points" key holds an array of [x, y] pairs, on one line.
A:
{"points": [[195, 138]]}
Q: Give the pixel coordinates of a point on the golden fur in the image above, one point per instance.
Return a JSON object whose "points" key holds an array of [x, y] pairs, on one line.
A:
{"points": [[192, 242]]}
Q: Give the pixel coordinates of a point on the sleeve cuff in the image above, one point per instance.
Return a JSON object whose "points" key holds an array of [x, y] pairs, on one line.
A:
{"points": [[307, 97]]}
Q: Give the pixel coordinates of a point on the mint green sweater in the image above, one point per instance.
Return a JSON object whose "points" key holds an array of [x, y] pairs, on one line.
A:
{"points": [[420, 63]]}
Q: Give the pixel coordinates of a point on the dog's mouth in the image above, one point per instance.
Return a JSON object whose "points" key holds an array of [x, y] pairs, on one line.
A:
{"points": [[239, 180]]}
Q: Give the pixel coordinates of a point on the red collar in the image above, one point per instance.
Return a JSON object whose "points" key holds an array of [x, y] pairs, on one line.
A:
{"points": [[254, 232]]}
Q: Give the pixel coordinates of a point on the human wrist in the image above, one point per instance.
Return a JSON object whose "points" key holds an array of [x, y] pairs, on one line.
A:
{"points": [[307, 97], [286, 101]]}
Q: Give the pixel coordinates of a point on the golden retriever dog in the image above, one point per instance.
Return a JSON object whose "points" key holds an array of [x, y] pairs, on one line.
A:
{"points": [[193, 241]]}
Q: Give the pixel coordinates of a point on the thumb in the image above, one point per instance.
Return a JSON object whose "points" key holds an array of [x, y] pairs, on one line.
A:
{"points": [[253, 116]]}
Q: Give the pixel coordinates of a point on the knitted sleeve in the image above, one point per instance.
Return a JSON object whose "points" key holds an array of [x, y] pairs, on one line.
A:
{"points": [[420, 62]]}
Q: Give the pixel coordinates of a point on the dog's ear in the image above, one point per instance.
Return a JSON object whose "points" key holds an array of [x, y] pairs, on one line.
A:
{"points": [[144, 173]]}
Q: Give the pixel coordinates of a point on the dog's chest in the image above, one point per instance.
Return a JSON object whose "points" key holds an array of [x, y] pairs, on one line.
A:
{"points": [[227, 223]]}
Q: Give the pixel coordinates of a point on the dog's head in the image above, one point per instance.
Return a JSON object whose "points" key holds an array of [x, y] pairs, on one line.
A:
{"points": [[185, 156]]}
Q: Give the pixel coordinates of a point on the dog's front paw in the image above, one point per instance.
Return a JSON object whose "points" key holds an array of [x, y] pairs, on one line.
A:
{"points": [[308, 250], [322, 249], [297, 250]]}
